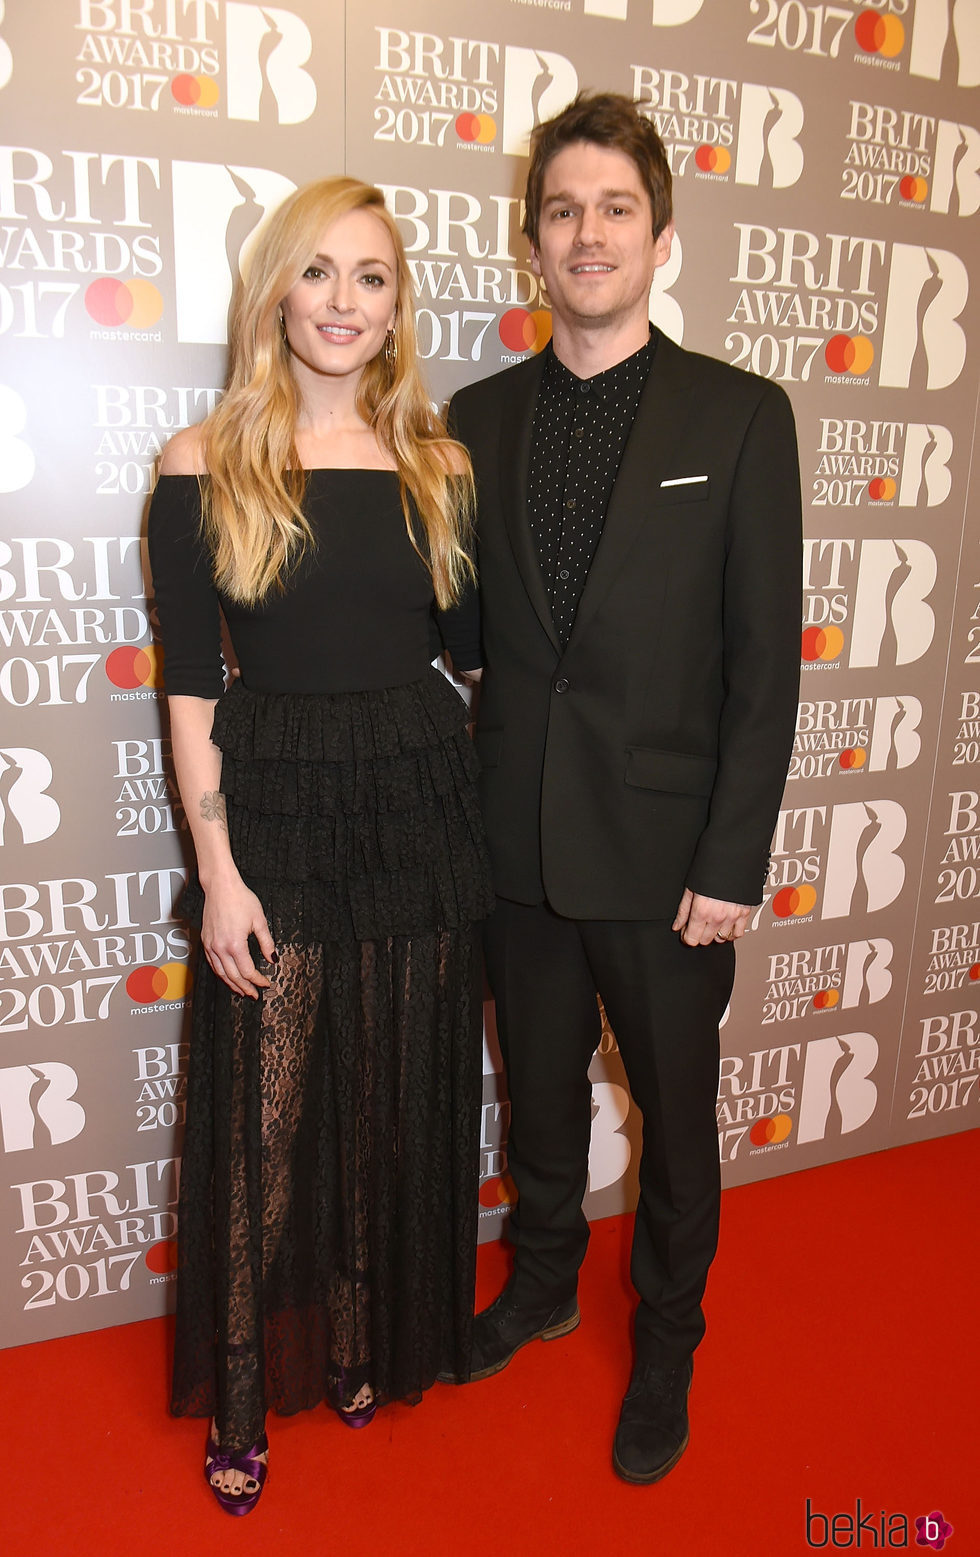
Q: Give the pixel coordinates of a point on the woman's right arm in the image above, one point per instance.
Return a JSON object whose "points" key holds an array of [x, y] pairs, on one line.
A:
{"points": [[190, 625], [232, 911]]}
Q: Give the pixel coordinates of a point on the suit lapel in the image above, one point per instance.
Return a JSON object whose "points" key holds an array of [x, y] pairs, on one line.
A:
{"points": [[664, 409], [514, 458]]}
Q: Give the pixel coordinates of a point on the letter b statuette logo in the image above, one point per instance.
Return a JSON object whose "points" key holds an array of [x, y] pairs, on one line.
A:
{"points": [[267, 49], [928, 289], [537, 85], [23, 1106], [28, 814]]}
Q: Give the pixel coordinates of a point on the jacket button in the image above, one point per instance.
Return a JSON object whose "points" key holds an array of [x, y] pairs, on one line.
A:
{"points": [[562, 684]]}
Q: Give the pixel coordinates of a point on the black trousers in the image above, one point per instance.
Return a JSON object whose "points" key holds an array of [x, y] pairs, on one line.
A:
{"points": [[664, 1001]]}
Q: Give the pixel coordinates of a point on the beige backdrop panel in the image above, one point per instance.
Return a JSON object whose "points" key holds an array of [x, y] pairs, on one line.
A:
{"points": [[826, 171]]}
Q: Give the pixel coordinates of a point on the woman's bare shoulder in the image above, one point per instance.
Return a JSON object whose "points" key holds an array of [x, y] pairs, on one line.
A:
{"points": [[184, 454]]}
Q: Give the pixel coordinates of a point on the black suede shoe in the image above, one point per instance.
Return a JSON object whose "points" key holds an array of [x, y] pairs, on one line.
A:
{"points": [[653, 1429], [509, 1323]]}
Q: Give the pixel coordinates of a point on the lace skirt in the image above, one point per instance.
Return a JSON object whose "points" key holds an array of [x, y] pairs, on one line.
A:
{"points": [[329, 1184]]}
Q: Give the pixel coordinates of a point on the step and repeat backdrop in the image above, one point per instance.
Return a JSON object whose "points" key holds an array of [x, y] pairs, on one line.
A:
{"points": [[827, 178]]}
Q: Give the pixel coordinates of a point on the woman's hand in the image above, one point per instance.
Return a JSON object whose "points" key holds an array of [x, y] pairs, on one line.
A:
{"points": [[231, 914]]}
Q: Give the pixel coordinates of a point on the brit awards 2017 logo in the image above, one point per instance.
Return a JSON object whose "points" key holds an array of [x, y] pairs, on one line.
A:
{"points": [[436, 92], [49, 587], [820, 1089], [703, 119], [954, 959], [841, 860], [37, 1105], [855, 735], [471, 265], [867, 597], [904, 157], [841, 976], [87, 216], [132, 423], [156, 55], [882, 462], [807, 297], [87, 1232], [959, 876], [947, 1076]]}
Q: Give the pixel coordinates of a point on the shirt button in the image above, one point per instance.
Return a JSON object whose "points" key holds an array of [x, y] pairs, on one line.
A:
{"points": [[563, 573], [562, 684], [583, 389], [571, 503], [578, 432]]}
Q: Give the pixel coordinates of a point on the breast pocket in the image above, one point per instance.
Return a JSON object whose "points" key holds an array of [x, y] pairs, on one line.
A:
{"points": [[680, 489]]}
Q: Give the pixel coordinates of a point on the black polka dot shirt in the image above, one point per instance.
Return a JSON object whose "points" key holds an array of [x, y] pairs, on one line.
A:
{"points": [[580, 430]]}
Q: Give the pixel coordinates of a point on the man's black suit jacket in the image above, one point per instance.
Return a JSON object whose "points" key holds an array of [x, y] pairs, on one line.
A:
{"points": [[650, 754]]}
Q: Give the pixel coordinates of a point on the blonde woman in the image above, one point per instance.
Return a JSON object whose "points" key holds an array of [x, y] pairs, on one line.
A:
{"points": [[329, 1194]]}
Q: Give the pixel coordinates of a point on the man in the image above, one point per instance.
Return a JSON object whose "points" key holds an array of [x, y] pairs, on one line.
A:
{"points": [[639, 559]]}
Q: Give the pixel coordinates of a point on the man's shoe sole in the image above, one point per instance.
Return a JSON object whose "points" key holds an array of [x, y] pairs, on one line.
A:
{"points": [[645, 1479], [551, 1333]]}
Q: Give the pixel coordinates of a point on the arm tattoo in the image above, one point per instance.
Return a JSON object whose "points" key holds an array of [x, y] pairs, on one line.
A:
{"points": [[213, 807]]}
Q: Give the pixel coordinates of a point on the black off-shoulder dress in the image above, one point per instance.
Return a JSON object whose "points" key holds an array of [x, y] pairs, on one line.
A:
{"points": [[329, 1185]]}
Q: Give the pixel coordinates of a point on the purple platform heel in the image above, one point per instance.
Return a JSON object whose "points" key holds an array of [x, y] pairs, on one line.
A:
{"points": [[244, 1460], [358, 1416]]}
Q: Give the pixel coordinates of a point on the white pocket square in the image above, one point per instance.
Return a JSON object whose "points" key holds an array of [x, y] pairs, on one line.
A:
{"points": [[682, 481]]}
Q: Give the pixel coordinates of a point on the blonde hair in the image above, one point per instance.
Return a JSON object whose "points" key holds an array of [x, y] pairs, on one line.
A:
{"points": [[254, 487]]}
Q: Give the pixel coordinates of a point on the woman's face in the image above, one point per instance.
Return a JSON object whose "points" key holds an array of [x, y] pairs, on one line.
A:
{"points": [[339, 311]]}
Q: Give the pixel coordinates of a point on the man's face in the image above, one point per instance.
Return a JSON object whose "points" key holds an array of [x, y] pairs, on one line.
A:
{"points": [[596, 251]]}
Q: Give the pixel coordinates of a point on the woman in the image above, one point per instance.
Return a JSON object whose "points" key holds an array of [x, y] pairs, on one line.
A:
{"points": [[329, 1196]]}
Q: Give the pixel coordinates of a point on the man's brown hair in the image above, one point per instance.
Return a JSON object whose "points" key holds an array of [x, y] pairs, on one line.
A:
{"points": [[605, 119]]}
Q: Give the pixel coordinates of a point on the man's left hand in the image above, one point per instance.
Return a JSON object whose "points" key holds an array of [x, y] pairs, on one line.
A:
{"points": [[702, 920]]}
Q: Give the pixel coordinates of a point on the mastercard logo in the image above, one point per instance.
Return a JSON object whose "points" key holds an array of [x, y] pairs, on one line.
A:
{"points": [[791, 902], [498, 1191], [195, 91], [171, 981], [130, 667], [822, 643], [713, 159], [521, 331], [161, 1257], [825, 999], [766, 1132], [852, 354], [876, 34], [111, 303], [913, 188], [853, 757], [476, 128], [882, 489]]}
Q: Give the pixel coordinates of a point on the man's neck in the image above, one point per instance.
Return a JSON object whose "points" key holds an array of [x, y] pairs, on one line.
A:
{"points": [[586, 352]]}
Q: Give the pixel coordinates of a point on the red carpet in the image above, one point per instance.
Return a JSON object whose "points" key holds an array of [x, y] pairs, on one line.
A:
{"points": [[841, 1362]]}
